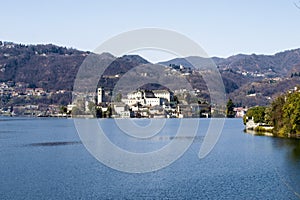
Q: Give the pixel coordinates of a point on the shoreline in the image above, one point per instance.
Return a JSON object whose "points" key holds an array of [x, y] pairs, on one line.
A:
{"points": [[268, 134]]}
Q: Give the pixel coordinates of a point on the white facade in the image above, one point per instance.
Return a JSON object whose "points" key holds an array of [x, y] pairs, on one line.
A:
{"points": [[135, 95], [70, 107], [119, 108], [130, 101], [164, 94], [125, 114], [148, 98], [100, 95], [152, 101]]}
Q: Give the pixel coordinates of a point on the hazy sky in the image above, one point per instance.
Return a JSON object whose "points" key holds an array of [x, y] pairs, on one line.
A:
{"points": [[222, 28]]}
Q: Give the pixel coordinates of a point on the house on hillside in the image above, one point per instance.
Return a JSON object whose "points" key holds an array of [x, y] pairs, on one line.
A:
{"points": [[240, 112]]}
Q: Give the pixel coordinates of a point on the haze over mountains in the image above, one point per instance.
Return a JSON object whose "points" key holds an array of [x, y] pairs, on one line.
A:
{"points": [[249, 79]]}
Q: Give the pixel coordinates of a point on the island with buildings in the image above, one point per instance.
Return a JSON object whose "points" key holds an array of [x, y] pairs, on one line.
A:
{"points": [[142, 103]]}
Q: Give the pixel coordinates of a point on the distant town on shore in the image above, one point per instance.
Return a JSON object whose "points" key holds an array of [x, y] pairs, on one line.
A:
{"points": [[37, 80]]}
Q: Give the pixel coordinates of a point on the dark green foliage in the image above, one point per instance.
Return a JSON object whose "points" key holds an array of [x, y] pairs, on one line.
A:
{"points": [[283, 114], [229, 109], [275, 113], [257, 113], [262, 129], [98, 112], [63, 109], [291, 114]]}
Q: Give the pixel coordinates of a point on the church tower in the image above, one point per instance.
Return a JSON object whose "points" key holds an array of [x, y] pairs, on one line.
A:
{"points": [[100, 94]]}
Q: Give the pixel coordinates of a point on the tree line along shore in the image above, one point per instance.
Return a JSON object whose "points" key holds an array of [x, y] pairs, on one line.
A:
{"points": [[281, 118]]}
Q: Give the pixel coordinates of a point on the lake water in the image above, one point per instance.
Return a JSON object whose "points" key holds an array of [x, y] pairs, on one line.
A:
{"points": [[45, 159]]}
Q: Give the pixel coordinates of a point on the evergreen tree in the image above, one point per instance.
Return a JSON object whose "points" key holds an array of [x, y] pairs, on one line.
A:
{"points": [[229, 109]]}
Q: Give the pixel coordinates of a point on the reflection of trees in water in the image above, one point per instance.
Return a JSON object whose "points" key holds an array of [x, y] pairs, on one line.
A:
{"points": [[287, 169], [296, 152], [292, 146], [293, 149]]}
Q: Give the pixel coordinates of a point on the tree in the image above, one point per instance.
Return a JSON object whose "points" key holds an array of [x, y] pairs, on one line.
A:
{"points": [[98, 112], [63, 109], [283, 114], [92, 108], [229, 109], [118, 97], [77, 111], [276, 113], [291, 114], [175, 99], [187, 97], [109, 112], [257, 113]]}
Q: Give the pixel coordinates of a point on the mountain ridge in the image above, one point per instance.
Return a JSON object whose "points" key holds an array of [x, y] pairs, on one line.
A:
{"points": [[54, 68]]}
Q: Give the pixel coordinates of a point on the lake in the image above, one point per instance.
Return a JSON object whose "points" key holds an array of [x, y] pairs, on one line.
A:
{"points": [[45, 159]]}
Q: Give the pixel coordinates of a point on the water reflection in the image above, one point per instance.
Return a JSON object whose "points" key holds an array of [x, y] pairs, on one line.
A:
{"points": [[295, 153], [287, 169], [291, 146], [41, 144], [252, 132]]}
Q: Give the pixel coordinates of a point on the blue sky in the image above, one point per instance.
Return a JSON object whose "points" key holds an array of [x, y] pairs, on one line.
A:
{"points": [[222, 28]]}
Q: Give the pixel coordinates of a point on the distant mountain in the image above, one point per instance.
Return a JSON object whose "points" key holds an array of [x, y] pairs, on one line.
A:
{"points": [[52, 67], [248, 79], [278, 65], [122, 64], [47, 66], [243, 74]]}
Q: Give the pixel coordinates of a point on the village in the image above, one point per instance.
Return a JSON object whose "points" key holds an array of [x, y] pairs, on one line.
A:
{"points": [[151, 104], [141, 103], [22, 95]]}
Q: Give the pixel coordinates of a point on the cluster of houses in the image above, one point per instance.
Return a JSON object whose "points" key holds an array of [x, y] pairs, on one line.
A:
{"points": [[21, 89], [10, 90], [32, 110], [147, 104], [137, 104]]}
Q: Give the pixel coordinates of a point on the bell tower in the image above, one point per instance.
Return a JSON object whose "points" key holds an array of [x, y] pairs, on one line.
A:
{"points": [[100, 94]]}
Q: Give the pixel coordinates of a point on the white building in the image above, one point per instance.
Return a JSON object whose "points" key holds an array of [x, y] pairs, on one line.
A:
{"points": [[153, 101], [100, 95], [148, 98], [130, 102], [126, 114], [240, 112], [164, 94], [70, 107], [119, 107]]}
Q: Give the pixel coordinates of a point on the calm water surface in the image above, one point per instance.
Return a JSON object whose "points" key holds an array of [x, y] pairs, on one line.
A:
{"points": [[45, 159]]}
